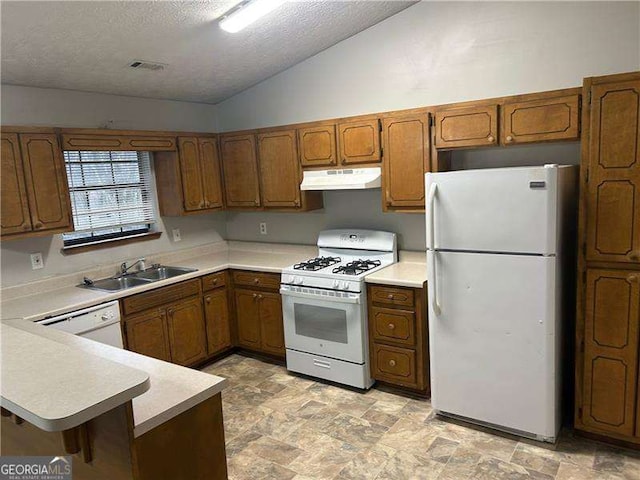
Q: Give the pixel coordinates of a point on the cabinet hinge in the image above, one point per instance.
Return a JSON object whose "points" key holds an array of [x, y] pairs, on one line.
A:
{"points": [[379, 126], [586, 176], [381, 151], [432, 121], [581, 346], [589, 97], [580, 413]]}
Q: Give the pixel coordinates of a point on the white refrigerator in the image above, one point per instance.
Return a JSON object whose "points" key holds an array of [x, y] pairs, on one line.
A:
{"points": [[495, 239]]}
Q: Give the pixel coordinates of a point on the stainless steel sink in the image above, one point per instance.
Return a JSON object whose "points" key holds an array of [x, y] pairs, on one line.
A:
{"points": [[162, 272], [123, 282], [115, 284]]}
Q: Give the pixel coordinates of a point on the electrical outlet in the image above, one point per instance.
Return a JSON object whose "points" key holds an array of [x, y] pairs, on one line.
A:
{"points": [[176, 234], [36, 261], [263, 228]]}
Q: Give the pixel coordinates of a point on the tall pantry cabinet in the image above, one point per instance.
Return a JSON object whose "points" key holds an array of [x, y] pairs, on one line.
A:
{"points": [[608, 321]]}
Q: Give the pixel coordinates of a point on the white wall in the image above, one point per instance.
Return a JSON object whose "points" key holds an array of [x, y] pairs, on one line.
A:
{"points": [[67, 108], [441, 52], [49, 107], [434, 53]]}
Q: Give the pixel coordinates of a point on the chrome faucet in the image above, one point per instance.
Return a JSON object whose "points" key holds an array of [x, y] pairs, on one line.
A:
{"points": [[124, 269]]}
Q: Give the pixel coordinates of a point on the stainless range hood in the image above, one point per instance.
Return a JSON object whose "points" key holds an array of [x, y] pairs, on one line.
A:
{"points": [[345, 179]]}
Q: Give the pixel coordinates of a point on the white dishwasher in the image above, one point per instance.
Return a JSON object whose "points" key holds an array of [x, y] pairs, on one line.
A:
{"points": [[100, 323]]}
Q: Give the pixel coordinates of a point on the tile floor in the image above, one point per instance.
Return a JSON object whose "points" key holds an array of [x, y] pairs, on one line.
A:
{"points": [[280, 426]]}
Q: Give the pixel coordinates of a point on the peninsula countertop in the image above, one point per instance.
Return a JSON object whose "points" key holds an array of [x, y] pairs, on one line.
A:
{"points": [[73, 379]]}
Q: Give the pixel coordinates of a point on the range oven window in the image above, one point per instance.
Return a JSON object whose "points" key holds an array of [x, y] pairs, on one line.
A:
{"points": [[322, 323]]}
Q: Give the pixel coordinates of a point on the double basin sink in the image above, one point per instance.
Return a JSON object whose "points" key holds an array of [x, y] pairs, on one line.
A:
{"points": [[130, 280]]}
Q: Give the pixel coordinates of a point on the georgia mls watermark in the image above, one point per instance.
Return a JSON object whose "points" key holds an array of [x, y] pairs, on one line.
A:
{"points": [[35, 468]]}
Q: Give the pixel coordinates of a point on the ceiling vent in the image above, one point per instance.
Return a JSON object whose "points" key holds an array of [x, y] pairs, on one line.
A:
{"points": [[144, 65]]}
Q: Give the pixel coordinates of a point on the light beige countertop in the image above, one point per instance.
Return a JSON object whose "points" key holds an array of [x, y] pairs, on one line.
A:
{"points": [[56, 386], [409, 271], [52, 297], [82, 373]]}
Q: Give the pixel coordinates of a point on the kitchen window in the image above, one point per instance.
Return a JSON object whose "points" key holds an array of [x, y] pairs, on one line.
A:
{"points": [[111, 195]]}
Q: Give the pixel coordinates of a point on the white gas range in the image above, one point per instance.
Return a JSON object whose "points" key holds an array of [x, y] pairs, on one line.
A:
{"points": [[325, 308]]}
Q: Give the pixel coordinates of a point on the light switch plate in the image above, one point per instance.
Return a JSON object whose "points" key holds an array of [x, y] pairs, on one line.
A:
{"points": [[176, 234], [36, 261]]}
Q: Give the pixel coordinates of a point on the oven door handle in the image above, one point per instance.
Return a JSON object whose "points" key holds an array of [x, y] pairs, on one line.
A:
{"points": [[312, 296]]}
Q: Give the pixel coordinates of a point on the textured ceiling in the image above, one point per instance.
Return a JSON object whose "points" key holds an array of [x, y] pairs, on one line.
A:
{"points": [[88, 45]]}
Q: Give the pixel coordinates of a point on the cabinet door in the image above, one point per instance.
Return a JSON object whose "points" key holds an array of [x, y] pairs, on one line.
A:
{"points": [[240, 168], [46, 181], [405, 160], [193, 193], [541, 120], [216, 312], [14, 203], [613, 198], [211, 173], [467, 127], [611, 350], [318, 146], [272, 329], [248, 318], [359, 142], [279, 169], [187, 337], [147, 334]]}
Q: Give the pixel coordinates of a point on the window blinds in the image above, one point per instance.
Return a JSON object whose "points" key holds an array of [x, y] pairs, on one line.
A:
{"points": [[109, 190]]}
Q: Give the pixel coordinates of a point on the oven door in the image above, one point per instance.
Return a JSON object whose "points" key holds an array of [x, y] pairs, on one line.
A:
{"points": [[327, 323]]}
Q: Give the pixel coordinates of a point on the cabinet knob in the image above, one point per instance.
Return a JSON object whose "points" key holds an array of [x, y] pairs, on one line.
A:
{"points": [[201, 204], [259, 297], [215, 281], [490, 138], [392, 363], [391, 326], [170, 312], [633, 278], [257, 202], [255, 295], [297, 203], [38, 225], [207, 299], [390, 297], [256, 281], [509, 138], [634, 256]]}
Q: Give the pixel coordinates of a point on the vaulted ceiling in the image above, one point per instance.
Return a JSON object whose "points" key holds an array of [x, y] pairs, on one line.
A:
{"points": [[89, 45]]}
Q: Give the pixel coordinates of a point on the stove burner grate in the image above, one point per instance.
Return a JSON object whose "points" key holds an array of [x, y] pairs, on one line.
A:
{"points": [[357, 267], [317, 263]]}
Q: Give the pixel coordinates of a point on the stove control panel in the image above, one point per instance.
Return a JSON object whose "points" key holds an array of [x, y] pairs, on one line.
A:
{"points": [[319, 282]]}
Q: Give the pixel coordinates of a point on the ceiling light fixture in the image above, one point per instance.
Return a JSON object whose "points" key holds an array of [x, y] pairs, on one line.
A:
{"points": [[248, 13]]}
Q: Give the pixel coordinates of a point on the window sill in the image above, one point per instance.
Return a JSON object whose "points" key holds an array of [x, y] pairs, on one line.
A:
{"points": [[113, 242]]}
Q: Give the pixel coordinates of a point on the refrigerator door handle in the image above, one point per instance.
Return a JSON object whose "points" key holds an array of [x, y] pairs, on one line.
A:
{"points": [[431, 244]]}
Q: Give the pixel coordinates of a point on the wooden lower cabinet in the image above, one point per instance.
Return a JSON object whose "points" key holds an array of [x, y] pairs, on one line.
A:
{"points": [[398, 336], [216, 314], [146, 333], [612, 324], [258, 312], [187, 337]]}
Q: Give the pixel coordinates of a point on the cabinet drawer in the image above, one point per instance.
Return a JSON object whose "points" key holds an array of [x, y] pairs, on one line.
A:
{"points": [[394, 365], [215, 280], [392, 296], [160, 296], [393, 325], [257, 279]]}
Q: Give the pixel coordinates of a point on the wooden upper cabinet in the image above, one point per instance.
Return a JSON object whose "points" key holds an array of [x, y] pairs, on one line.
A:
{"points": [[46, 182], [541, 120], [318, 146], [405, 160], [147, 334], [211, 172], [271, 326], [464, 127], [613, 196], [279, 169], [612, 319], [359, 142], [120, 141], [192, 185], [14, 203], [240, 166], [187, 338]]}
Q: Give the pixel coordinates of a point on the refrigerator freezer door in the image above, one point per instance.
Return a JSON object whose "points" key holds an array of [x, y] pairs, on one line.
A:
{"points": [[495, 210], [494, 344]]}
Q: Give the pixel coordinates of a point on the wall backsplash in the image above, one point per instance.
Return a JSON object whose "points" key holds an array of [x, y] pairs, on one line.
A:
{"points": [[343, 209]]}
